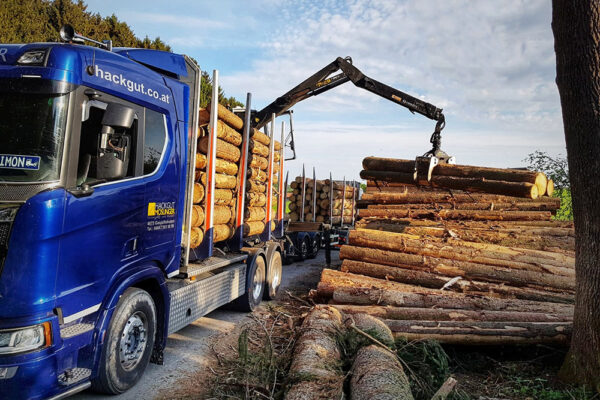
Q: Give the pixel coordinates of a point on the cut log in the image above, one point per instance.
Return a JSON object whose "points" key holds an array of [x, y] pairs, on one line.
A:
{"points": [[228, 134], [203, 117], [438, 314], [435, 281], [252, 228], [198, 193], [463, 171], [257, 174], [474, 339], [255, 214], [452, 268], [223, 197], [222, 232], [254, 199], [222, 181], [200, 161], [258, 148], [256, 161], [347, 288], [197, 216], [260, 137], [317, 357], [377, 374], [255, 186], [228, 117], [196, 237], [516, 206], [443, 197], [225, 150], [484, 253], [222, 215], [459, 332], [550, 188], [337, 220], [471, 215]]}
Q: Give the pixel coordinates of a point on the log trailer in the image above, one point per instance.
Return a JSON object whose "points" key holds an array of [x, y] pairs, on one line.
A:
{"points": [[97, 158]]}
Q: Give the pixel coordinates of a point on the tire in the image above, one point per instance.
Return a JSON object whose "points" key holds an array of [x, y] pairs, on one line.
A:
{"points": [[122, 364], [303, 249], [275, 275], [255, 287], [316, 246]]}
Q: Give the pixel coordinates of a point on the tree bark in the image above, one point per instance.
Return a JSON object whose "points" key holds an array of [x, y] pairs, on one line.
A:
{"points": [[225, 150], [435, 281], [438, 314], [443, 197], [448, 267], [576, 27], [516, 206], [517, 189], [471, 215], [464, 171]]}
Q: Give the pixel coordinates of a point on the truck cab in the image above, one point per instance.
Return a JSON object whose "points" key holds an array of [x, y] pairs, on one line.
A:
{"points": [[94, 179]]}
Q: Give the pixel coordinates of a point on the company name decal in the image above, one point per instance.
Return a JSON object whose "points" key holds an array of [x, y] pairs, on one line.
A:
{"points": [[10, 161], [131, 86], [161, 215]]}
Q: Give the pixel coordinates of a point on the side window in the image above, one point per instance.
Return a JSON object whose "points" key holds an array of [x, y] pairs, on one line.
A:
{"points": [[105, 154], [154, 141]]}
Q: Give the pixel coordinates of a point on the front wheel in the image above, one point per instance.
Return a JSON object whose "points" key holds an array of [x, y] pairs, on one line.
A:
{"points": [[274, 276], [129, 343]]}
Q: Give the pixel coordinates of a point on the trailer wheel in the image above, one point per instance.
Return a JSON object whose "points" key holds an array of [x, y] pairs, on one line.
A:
{"points": [[303, 250], [316, 246], [275, 275], [255, 286], [128, 343]]}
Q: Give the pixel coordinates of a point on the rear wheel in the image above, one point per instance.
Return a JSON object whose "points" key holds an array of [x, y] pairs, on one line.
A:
{"points": [[255, 286], [316, 246], [303, 249], [129, 342], [275, 275]]}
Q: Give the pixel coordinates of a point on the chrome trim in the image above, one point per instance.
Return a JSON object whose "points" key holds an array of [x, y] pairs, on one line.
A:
{"points": [[71, 391], [82, 313], [172, 274]]}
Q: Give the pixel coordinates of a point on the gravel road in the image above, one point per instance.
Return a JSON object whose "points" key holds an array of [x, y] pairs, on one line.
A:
{"points": [[186, 349]]}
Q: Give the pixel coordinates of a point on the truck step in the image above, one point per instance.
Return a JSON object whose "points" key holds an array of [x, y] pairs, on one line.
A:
{"points": [[74, 375], [194, 300], [74, 330], [210, 264]]}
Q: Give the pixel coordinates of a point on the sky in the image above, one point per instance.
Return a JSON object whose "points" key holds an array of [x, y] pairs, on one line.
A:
{"points": [[490, 65]]}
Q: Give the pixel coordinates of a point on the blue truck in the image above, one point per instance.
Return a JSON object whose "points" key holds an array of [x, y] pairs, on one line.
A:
{"points": [[97, 150]]}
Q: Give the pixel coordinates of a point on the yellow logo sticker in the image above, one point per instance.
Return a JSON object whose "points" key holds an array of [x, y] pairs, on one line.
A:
{"points": [[151, 209], [162, 208]]}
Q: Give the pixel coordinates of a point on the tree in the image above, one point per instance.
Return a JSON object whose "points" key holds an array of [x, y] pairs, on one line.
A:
{"points": [[576, 28]]}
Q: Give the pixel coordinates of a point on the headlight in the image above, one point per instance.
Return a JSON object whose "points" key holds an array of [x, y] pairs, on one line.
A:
{"points": [[33, 57], [25, 339]]}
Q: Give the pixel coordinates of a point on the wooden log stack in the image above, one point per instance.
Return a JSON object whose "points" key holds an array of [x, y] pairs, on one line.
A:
{"points": [[322, 209], [459, 267]]}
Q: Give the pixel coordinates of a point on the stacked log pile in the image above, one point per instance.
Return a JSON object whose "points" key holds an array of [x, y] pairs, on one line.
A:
{"points": [[463, 268], [324, 201], [257, 181], [226, 175]]}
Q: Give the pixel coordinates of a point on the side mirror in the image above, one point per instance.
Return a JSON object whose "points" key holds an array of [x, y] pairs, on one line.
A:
{"points": [[118, 116]]}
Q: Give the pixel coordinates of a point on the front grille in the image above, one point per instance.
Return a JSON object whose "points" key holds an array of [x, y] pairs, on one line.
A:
{"points": [[7, 216]]}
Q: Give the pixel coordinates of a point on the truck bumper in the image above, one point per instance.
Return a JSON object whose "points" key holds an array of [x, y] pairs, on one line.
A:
{"points": [[34, 375]]}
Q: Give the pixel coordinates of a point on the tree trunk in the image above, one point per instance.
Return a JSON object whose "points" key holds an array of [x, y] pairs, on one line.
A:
{"points": [[471, 215], [443, 197], [492, 206], [517, 189], [438, 314], [576, 27]]}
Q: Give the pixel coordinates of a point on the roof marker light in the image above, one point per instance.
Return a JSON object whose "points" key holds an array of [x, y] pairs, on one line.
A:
{"points": [[33, 57]]}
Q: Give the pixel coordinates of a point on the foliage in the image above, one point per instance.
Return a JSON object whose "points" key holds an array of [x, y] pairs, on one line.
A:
{"points": [[557, 169], [28, 21]]}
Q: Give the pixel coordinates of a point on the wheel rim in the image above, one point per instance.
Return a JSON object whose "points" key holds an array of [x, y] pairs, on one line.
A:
{"points": [[276, 271], [303, 248], [258, 279], [133, 341]]}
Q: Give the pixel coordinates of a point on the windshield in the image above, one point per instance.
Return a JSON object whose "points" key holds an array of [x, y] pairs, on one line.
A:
{"points": [[32, 128]]}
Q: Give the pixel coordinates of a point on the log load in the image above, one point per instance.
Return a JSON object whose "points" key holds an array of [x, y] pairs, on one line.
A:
{"points": [[258, 148], [198, 193], [228, 117], [197, 216], [200, 161], [483, 174], [228, 134], [255, 214], [222, 215], [196, 237], [256, 186], [434, 197], [256, 161], [252, 228], [254, 199], [225, 151], [516, 206], [471, 215], [224, 197], [222, 232], [222, 181]]}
